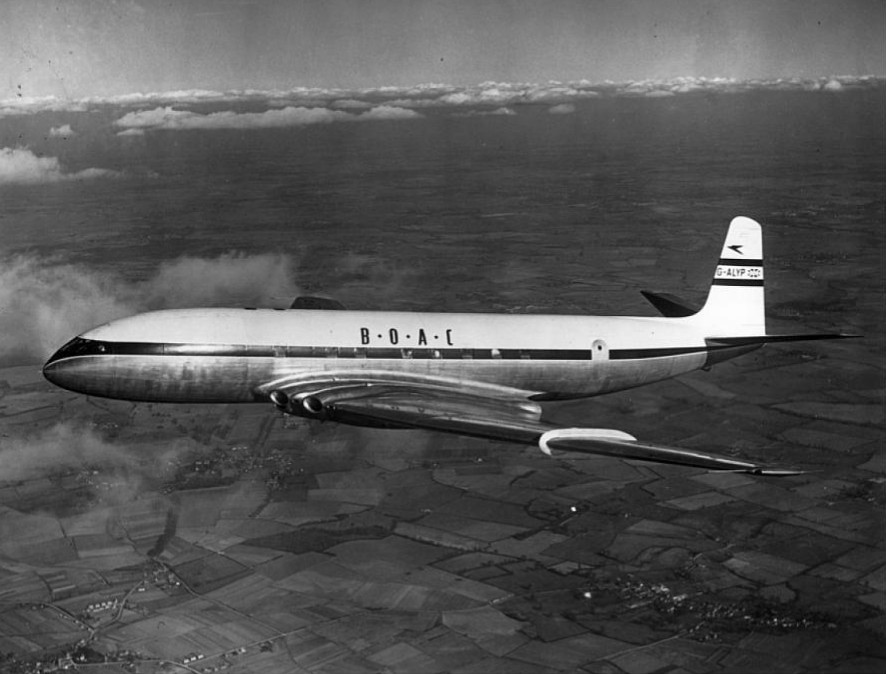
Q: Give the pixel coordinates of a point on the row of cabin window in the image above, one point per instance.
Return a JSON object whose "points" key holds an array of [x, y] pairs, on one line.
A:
{"points": [[347, 352]]}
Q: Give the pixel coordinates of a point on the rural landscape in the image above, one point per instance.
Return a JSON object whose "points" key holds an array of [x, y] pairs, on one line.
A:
{"points": [[154, 538]]}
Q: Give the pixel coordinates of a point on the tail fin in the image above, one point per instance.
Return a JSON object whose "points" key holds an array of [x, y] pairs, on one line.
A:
{"points": [[735, 304]]}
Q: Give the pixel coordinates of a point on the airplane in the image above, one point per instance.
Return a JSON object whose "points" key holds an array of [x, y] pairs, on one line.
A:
{"points": [[475, 374]]}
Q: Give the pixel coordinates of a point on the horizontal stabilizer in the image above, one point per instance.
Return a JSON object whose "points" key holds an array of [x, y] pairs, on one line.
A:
{"points": [[766, 339], [307, 302], [669, 306]]}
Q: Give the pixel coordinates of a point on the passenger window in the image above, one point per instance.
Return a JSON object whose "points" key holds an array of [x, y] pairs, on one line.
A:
{"points": [[599, 350]]}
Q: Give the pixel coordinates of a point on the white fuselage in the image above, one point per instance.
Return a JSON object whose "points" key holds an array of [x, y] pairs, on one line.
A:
{"points": [[236, 355]]}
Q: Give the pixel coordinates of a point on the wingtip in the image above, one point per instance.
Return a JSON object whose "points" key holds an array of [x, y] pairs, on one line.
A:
{"points": [[775, 472]]}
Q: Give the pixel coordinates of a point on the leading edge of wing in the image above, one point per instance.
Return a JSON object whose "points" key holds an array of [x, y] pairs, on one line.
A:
{"points": [[503, 420]]}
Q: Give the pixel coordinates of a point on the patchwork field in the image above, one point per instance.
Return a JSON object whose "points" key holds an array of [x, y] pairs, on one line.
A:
{"points": [[227, 537]]}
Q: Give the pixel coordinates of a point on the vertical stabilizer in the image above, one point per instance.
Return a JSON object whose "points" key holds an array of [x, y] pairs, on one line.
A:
{"points": [[735, 304]]}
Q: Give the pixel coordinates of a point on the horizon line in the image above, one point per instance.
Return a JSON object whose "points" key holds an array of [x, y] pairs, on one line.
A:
{"points": [[679, 84]]}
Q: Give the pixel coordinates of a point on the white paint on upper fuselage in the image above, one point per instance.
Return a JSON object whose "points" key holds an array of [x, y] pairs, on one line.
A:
{"points": [[267, 327]]}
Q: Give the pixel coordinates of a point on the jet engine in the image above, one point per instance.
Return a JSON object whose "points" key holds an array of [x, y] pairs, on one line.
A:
{"points": [[321, 405], [313, 406]]}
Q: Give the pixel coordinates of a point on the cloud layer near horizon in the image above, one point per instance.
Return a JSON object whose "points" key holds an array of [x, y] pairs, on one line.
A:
{"points": [[44, 302], [303, 105], [21, 166], [171, 119], [103, 48]]}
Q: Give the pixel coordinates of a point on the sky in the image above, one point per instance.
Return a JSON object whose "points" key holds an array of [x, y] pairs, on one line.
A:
{"points": [[80, 48]]}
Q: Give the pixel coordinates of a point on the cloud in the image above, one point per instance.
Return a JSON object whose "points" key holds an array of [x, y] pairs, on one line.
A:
{"points": [[485, 94], [503, 111], [62, 446], [29, 105], [170, 119], [158, 117], [232, 278], [326, 101], [23, 167], [362, 276], [388, 112], [562, 109], [64, 131], [76, 445], [505, 94], [44, 302], [555, 93]]}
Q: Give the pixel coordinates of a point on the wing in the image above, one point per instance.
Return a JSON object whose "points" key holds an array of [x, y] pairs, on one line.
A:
{"points": [[498, 415]]}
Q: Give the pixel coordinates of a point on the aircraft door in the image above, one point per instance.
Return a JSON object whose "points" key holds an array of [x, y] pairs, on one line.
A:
{"points": [[599, 350]]}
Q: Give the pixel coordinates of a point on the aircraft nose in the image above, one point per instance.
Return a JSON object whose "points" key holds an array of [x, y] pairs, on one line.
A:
{"points": [[74, 374], [55, 372], [51, 368], [80, 366]]}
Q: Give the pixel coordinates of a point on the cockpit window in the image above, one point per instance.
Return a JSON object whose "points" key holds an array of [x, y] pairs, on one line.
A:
{"points": [[77, 347], [81, 347]]}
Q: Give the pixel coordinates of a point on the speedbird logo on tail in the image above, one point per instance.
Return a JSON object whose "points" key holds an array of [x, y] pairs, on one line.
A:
{"points": [[737, 248]]}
